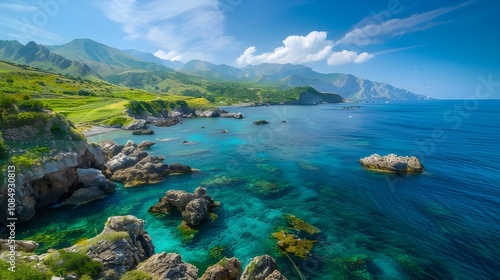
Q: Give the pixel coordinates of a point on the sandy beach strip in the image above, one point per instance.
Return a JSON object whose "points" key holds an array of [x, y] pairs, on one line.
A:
{"points": [[96, 130]]}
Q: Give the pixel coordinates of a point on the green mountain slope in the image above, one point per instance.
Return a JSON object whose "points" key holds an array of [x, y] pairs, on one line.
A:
{"points": [[38, 56], [104, 60]]}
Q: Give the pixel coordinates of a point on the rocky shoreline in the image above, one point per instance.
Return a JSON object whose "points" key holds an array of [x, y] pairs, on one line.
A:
{"points": [[125, 249]]}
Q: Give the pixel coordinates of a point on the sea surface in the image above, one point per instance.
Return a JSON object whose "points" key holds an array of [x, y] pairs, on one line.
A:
{"points": [[443, 224]]}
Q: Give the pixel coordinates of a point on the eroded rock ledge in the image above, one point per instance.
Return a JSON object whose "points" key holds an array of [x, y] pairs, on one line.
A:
{"points": [[393, 163]]}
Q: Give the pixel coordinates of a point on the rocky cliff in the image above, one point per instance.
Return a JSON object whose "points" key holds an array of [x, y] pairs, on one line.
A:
{"points": [[52, 162]]}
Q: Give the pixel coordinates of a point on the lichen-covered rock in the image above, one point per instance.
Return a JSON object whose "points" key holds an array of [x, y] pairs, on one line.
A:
{"points": [[120, 247], [393, 163], [165, 266], [225, 269], [260, 268]]}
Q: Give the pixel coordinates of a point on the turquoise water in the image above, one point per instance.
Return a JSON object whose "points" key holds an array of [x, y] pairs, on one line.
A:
{"points": [[443, 224]]}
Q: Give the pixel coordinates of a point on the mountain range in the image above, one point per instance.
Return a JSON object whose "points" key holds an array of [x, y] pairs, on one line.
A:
{"points": [[93, 60]]}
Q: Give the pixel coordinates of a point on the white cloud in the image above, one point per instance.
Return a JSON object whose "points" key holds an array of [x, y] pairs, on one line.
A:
{"points": [[346, 56], [295, 49], [172, 56], [24, 31], [191, 29], [303, 49], [370, 31], [18, 7]]}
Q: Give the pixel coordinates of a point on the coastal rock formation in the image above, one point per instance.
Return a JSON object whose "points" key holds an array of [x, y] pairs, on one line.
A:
{"points": [[260, 122], [393, 163], [225, 269], [110, 149], [134, 167], [226, 114], [194, 207], [137, 124], [167, 122], [209, 113], [262, 268], [91, 177], [26, 246], [51, 175], [143, 132], [84, 195], [145, 145], [165, 266], [121, 246]]}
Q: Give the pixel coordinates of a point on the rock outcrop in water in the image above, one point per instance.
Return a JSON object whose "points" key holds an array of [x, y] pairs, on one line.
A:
{"points": [[393, 163], [194, 207], [166, 266], [133, 166], [262, 268], [225, 269]]}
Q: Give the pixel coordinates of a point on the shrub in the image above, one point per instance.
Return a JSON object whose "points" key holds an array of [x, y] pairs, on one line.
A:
{"points": [[62, 263], [84, 92], [31, 105], [23, 272], [69, 92], [4, 151], [10, 80], [136, 275]]}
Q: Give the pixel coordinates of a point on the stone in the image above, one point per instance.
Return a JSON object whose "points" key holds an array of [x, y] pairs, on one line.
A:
{"points": [[110, 148], [138, 124], [149, 170], [225, 269], [26, 246], [276, 275], [121, 161], [393, 163], [195, 212], [145, 144], [260, 122], [143, 132], [84, 195], [90, 177], [179, 168], [260, 268], [165, 266], [162, 207], [167, 122]]}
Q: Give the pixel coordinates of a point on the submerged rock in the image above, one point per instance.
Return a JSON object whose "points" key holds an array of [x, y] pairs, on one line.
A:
{"points": [[292, 244], [393, 163], [225, 269], [165, 266], [262, 268], [260, 122], [143, 132]]}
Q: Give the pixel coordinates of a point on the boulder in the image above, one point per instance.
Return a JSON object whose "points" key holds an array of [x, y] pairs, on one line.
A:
{"points": [[179, 168], [260, 122], [26, 246], [195, 207], [393, 163], [195, 212], [129, 148], [145, 144], [225, 269], [262, 268], [143, 132], [208, 113], [84, 195], [165, 266], [137, 124], [121, 161], [110, 148], [232, 115], [167, 122], [149, 170], [94, 178]]}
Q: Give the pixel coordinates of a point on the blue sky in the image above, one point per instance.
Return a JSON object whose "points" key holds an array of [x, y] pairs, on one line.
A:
{"points": [[437, 48]]}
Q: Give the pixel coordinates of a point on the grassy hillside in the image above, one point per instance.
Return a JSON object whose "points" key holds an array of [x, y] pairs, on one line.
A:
{"points": [[81, 101]]}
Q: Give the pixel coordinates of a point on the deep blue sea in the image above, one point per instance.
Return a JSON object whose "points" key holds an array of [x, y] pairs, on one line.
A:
{"points": [[443, 224]]}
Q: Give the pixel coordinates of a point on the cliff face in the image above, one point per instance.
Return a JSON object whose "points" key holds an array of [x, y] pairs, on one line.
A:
{"points": [[46, 155]]}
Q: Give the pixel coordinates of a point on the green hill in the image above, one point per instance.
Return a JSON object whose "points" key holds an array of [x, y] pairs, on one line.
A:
{"points": [[104, 60]]}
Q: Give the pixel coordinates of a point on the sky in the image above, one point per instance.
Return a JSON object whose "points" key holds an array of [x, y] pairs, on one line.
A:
{"points": [[444, 49]]}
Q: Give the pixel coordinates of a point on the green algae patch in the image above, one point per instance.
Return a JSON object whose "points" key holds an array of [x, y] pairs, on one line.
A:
{"points": [[299, 224], [83, 245], [213, 217], [352, 267], [290, 243], [264, 187], [187, 232], [217, 252]]}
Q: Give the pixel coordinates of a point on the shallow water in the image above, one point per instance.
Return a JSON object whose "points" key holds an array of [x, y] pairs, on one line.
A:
{"points": [[442, 224]]}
